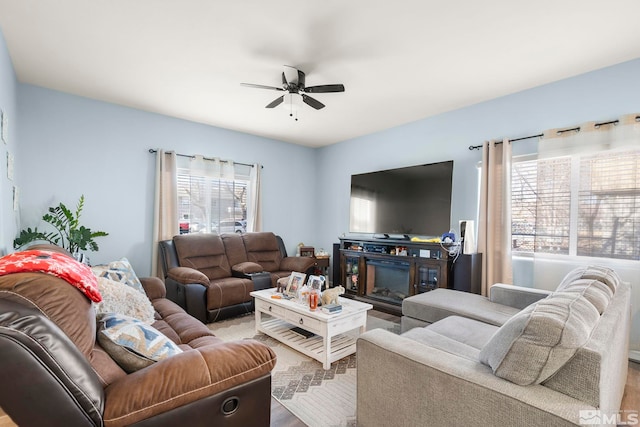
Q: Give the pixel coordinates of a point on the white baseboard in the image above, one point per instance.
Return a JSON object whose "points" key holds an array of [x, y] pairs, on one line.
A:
{"points": [[634, 355]]}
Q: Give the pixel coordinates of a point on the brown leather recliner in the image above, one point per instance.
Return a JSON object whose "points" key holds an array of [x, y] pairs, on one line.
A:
{"points": [[53, 371], [267, 250], [211, 276]]}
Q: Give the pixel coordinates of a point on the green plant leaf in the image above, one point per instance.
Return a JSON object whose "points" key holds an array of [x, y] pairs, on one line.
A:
{"points": [[69, 233], [27, 236], [79, 208]]}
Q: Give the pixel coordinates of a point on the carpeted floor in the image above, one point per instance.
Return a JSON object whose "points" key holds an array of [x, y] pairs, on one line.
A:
{"points": [[320, 398]]}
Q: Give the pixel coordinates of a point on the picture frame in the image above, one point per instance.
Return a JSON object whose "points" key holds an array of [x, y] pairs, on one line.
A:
{"points": [[295, 283], [308, 251], [15, 198], [4, 126], [10, 163], [316, 282]]}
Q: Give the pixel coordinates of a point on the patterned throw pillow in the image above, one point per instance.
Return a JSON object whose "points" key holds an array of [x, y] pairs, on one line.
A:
{"points": [[131, 343], [119, 271], [122, 299]]}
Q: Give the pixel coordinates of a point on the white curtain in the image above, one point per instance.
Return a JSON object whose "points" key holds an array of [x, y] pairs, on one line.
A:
{"points": [[591, 138], [494, 227], [201, 190], [612, 142], [165, 207], [254, 200], [227, 169], [210, 181]]}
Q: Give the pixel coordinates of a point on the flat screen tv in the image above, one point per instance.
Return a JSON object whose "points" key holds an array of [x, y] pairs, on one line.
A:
{"points": [[413, 201]]}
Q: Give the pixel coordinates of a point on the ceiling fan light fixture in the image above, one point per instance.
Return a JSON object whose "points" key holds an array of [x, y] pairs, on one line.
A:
{"points": [[293, 103]]}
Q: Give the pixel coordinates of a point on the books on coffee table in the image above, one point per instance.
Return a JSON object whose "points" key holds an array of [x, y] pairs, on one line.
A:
{"points": [[331, 308]]}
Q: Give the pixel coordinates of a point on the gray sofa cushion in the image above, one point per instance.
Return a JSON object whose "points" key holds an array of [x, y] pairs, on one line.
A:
{"points": [[456, 335], [594, 272], [467, 331], [516, 296], [534, 344], [594, 291], [440, 303]]}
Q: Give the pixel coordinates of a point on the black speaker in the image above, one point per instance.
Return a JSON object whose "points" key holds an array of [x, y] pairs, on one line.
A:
{"points": [[467, 273], [335, 279]]}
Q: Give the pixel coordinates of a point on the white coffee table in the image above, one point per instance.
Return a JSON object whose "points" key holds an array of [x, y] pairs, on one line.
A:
{"points": [[331, 341]]}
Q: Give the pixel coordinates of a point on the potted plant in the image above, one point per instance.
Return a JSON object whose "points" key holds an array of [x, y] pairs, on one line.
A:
{"points": [[68, 233]]}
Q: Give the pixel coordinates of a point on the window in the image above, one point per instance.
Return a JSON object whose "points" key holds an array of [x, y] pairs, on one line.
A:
{"points": [[209, 203], [609, 206], [585, 205]]}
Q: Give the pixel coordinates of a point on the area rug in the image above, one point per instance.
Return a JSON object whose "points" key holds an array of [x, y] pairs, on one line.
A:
{"points": [[318, 397]]}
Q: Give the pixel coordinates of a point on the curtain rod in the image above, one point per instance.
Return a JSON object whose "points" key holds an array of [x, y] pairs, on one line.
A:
{"points": [[153, 150], [577, 129]]}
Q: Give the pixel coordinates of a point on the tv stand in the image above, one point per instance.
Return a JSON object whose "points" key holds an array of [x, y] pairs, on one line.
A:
{"points": [[391, 237], [384, 271]]}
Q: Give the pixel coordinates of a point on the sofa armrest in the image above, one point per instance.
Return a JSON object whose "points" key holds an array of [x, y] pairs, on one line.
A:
{"points": [[516, 296], [186, 275], [246, 269], [423, 385], [250, 270], [153, 287], [195, 300], [300, 264], [185, 378]]}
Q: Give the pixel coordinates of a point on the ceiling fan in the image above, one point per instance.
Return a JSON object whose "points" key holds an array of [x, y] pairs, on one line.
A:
{"points": [[293, 82]]}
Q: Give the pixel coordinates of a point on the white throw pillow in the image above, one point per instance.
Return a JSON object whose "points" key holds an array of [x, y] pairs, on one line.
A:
{"points": [[122, 299]]}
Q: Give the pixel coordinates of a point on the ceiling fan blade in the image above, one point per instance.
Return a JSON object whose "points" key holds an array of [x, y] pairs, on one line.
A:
{"points": [[261, 86], [275, 102], [312, 102], [324, 89]]}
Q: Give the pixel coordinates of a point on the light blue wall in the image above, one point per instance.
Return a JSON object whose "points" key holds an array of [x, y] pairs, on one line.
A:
{"points": [[8, 84], [72, 146], [600, 95]]}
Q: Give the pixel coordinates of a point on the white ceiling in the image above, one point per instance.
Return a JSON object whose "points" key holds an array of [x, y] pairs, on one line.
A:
{"points": [[400, 61]]}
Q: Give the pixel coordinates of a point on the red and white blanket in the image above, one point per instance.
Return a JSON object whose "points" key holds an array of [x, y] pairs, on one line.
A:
{"points": [[56, 264]]}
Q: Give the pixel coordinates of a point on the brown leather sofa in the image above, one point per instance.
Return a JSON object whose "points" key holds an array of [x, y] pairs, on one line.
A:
{"points": [[53, 371], [211, 276]]}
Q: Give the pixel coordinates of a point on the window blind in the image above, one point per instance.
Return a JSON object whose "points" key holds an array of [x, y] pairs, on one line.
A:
{"points": [[541, 204], [209, 204], [609, 205], [585, 205]]}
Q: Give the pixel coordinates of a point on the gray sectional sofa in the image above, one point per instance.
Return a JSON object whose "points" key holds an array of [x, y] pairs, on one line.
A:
{"points": [[521, 357]]}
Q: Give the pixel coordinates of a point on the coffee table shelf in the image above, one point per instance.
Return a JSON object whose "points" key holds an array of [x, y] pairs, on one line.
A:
{"points": [[341, 345]]}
